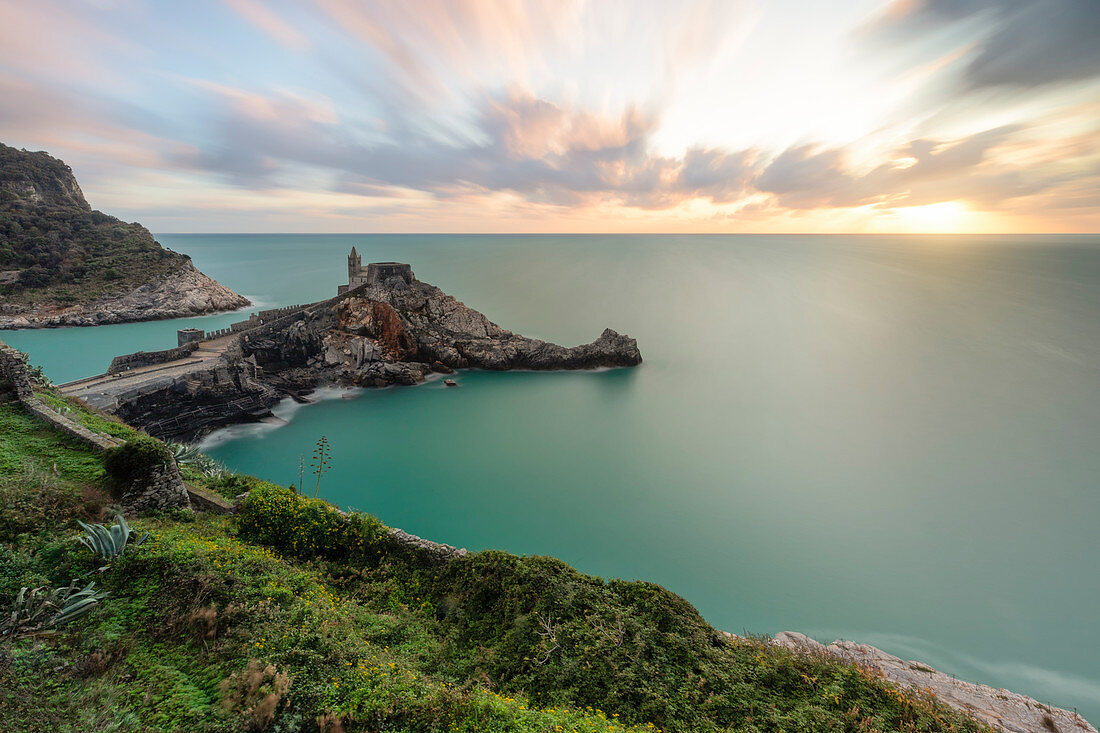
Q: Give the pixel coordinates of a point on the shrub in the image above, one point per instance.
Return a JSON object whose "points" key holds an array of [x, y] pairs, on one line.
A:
{"points": [[279, 517], [135, 459], [34, 500], [232, 485]]}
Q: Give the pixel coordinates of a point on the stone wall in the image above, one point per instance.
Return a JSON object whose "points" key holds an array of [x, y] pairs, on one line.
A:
{"points": [[127, 362], [96, 441], [427, 549], [162, 488], [15, 382], [999, 708]]}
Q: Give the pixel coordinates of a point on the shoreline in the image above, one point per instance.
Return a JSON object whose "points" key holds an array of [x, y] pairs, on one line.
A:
{"points": [[183, 293], [998, 707]]}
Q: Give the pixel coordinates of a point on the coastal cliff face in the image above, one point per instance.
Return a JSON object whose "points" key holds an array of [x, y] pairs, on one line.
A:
{"points": [[177, 294], [64, 264], [396, 331]]}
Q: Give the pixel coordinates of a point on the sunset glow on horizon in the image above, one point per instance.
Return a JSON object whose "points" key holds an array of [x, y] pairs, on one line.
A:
{"points": [[901, 116]]}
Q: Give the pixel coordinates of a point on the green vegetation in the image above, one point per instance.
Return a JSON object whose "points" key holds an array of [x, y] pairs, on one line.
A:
{"points": [[89, 418], [135, 459], [190, 457], [295, 616], [61, 251]]}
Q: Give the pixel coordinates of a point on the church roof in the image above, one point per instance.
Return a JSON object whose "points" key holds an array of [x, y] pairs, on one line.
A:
{"points": [[353, 252]]}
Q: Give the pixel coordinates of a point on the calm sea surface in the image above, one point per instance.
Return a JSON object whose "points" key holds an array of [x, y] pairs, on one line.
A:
{"points": [[888, 439]]}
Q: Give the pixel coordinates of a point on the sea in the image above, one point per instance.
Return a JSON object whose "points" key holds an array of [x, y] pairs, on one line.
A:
{"points": [[889, 439]]}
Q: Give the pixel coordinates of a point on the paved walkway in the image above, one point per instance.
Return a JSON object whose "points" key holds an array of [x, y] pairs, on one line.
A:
{"points": [[102, 390]]}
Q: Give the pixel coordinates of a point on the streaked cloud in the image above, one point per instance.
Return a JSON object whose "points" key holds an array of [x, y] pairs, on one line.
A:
{"points": [[1019, 43], [539, 115]]}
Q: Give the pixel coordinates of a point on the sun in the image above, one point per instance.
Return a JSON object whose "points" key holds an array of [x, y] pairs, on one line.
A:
{"points": [[940, 218]]}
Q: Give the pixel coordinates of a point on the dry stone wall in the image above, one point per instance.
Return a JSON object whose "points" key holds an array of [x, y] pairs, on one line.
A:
{"points": [[15, 383]]}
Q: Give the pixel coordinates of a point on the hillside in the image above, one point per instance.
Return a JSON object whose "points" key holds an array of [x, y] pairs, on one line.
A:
{"points": [[63, 263], [290, 615]]}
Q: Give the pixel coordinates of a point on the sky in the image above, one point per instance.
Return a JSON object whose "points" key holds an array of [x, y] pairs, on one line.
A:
{"points": [[565, 115]]}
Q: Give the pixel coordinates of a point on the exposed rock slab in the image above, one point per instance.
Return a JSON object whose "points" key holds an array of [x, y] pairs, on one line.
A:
{"points": [[999, 708]]}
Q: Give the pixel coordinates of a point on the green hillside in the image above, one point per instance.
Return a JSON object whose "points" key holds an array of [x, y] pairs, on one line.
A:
{"points": [[288, 616], [55, 249]]}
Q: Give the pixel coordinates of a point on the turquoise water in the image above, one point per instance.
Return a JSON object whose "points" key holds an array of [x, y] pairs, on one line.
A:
{"points": [[892, 440]]}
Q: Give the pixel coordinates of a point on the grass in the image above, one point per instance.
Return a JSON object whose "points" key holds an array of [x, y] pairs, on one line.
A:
{"points": [[25, 439], [78, 411], [292, 617]]}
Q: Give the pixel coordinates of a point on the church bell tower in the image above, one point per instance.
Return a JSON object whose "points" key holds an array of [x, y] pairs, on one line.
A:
{"points": [[355, 264]]}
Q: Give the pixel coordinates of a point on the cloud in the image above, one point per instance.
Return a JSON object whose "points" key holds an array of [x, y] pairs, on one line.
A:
{"points": [[545, 151], [920, 172], [1021, 43], [259, 15]]}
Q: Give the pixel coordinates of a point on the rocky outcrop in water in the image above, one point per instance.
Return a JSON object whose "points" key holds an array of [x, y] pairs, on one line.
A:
{"points": [[399, 330], [392, 330]]}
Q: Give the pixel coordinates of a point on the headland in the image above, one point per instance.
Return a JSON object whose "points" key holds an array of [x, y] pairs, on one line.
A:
{"points": [[384, 327]]}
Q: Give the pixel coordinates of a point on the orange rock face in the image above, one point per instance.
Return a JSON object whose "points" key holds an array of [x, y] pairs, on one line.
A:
{"points": [[381, 322]]}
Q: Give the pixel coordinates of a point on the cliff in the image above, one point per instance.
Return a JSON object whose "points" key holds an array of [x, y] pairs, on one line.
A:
{"points": [[394, 331], [64, 264]]}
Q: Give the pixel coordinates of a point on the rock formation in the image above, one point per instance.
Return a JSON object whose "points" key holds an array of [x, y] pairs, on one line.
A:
{"points": [[389, 330], [178, 294], [63, 264]]}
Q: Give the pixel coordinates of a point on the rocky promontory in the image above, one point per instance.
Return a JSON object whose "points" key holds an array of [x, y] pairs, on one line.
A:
{"points": [[64, 264], [400, 329], [180, 293], [392, 330]]}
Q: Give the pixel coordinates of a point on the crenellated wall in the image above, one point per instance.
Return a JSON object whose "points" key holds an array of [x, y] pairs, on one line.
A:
{"points": [[263, 318]]}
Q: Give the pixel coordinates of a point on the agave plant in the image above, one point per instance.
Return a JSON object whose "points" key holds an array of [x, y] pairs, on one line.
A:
{"points": [[211, 468], [184, 453], [109, 543], [188, 455], [38, 610]]}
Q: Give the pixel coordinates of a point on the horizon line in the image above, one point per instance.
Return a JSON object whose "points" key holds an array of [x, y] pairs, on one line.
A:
{"points": [[679, 234]]}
